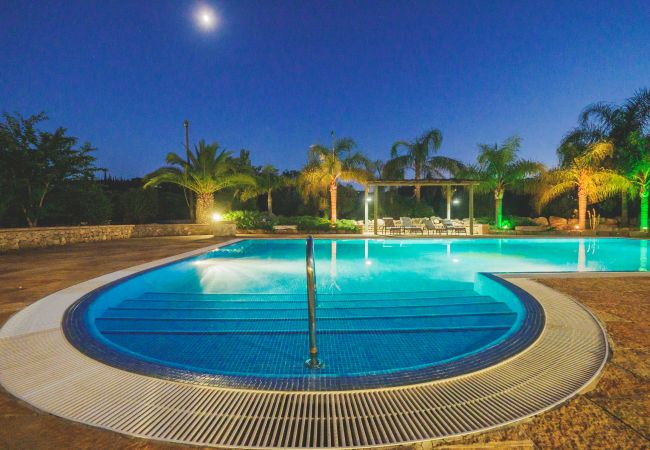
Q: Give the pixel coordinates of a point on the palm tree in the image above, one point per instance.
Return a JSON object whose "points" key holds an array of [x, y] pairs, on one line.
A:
{"points": [[586, 174], [265, 183], [499, 169], [624, 127], [639, 176], [207, 171], [418, 157], [327, 166]]}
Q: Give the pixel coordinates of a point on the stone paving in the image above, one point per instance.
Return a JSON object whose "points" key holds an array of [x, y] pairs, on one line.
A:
{"points": [[615, 414]]}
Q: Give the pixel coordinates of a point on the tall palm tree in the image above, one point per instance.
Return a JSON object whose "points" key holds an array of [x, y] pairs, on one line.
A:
{"points": [[586, 174], [499, 169], [622, 125], [639, 176], [326, 167], [207, 171], [418, 156], [266, 182]]}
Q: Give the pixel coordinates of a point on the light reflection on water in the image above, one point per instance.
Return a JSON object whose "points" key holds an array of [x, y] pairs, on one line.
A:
{"points": [[403, 265]]}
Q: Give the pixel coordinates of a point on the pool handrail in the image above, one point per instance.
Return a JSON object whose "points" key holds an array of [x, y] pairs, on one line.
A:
{"points": [[312, 362]]}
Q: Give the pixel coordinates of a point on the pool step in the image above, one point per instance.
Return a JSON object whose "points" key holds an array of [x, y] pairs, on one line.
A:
{"points": [[387, 312], [323, 303], [383, 331], [278, 325], [300, 297]]}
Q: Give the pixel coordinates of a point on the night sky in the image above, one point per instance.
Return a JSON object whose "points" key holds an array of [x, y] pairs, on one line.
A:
{"points": [[277, 76]]}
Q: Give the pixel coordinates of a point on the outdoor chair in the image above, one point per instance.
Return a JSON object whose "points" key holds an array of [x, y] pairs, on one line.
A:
{"points": [[454, 227], [432, 228], [390, 227], [407, 225]]}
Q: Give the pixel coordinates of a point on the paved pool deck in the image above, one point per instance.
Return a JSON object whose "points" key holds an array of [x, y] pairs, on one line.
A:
{"points": [[616, 414]]}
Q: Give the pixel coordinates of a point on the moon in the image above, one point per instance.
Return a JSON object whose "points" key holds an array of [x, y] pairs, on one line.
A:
{"points": [[206, 18]]}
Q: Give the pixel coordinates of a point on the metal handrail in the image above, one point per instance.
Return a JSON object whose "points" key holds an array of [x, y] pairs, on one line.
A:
{"points": [[312, 362]]}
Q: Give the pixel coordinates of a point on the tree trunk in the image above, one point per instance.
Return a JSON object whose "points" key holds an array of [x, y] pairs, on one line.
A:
{"points": [[625, 220], [333, 201], [582, 208], [643, 214], [191, 204], [498, 208], [269, 203], [449, 195], [204, 207], [417, 186]]}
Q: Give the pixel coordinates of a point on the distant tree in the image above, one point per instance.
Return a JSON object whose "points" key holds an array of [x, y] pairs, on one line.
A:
{"points": [[267, 181], [327, 167], [208, 171], [499, 169], [586, 174], [34, 162], [139, 205], [419, 156], [78, 202]]}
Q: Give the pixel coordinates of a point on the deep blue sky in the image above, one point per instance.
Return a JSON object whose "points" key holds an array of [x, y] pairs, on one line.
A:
{"points": [[277, 76]]}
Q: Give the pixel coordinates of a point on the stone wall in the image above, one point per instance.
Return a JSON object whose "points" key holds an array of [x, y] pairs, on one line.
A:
{"points": [[17, 238]]}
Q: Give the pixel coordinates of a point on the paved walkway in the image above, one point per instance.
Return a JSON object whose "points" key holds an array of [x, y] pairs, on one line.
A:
{"points": [[616, 414]]}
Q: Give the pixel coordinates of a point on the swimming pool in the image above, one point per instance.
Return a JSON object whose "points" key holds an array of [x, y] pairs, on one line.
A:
{"points": [[390, 312]]}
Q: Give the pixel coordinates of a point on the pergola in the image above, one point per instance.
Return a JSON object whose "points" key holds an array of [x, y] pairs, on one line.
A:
{"points": [[445, 183]]}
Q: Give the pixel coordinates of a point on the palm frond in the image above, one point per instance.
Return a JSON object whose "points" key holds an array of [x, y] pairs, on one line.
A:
{"points": [[605, 184], [394, 149], [316, 152], [355, 175], [431, 139], [555, 184], [601, 115], [439, 164], [595, 154]]}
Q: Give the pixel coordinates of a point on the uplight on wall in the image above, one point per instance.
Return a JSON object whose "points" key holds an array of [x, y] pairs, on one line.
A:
{"points": [[216, 217]]}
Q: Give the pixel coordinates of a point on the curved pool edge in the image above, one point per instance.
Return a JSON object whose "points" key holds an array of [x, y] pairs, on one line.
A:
{"points": [[39, 366]]}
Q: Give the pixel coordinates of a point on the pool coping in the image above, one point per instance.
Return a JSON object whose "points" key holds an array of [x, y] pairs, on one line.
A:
{"points": [[39, 366]]}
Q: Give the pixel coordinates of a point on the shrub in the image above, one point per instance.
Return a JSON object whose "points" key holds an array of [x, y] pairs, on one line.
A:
{"points": [[508, 222], [347, 225], [251, 220], [311, 223]]}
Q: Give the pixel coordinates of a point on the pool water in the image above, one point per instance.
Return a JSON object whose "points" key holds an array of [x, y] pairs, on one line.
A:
{"points": [[389, 312]]}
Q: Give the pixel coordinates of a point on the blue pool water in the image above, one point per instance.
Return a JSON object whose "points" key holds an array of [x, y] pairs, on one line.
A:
{"points": [[389, 312]]}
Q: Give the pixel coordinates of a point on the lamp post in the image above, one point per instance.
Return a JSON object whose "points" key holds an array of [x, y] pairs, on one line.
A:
{"points": [[366, 200], [189, 199]]}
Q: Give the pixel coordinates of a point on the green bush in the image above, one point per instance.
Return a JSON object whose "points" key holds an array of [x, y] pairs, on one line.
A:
{"points": [[347, 225], [508, 222], [251, 220], [310, 223], [306, 223]]}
